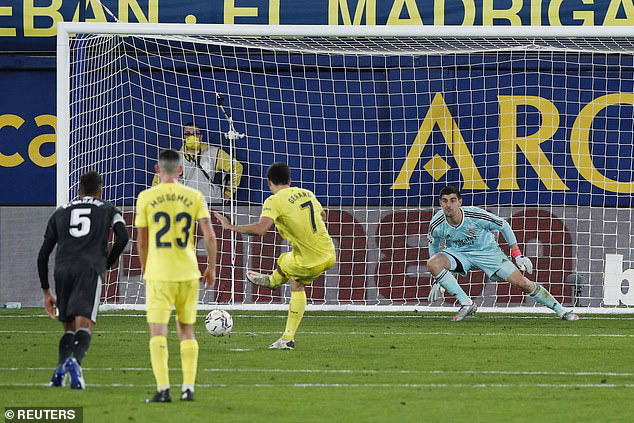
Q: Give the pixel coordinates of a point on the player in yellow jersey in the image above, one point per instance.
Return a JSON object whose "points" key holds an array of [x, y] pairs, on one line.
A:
{"points": [[165, 219], [299, 218]]}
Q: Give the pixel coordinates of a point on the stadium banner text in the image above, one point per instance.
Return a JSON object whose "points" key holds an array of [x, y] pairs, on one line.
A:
{"points": [[30, 25]]}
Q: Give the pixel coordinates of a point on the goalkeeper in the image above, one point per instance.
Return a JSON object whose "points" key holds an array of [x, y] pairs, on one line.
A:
{"points": [[299, 218], [470, 243], [207, 168]]}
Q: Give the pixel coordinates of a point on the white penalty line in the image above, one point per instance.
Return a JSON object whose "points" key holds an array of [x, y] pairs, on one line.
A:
{"points": [[387, 333], [421, 315], [346, 371], [352, 385]]}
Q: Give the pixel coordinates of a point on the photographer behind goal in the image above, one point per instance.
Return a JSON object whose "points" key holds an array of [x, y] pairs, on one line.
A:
{"points": [[207, 168]]}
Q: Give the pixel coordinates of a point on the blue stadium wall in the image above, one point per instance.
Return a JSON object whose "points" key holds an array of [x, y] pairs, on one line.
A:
{"points": [[27, 103], [346, 127]]}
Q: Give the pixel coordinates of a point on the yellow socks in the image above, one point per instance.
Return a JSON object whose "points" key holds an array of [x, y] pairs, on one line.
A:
{"points": [[295, 313], [159, 356], [276, 279], [189, 362]]}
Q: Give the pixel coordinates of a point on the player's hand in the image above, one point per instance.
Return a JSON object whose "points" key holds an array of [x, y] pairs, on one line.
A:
{"points": [[49, 303], [223, 220], [209, 278], [524, 264], [436, 292]]}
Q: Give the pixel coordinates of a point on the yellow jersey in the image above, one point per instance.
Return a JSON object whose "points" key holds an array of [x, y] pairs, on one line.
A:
{"points": [[297, 216], [170, 212]]}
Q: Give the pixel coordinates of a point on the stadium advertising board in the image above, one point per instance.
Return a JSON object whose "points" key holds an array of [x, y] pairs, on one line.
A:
{"points": [[381, 259]]}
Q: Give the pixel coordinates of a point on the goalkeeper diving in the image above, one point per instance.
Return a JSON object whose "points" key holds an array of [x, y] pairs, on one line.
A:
{"points": [[299, 218], [470, 243]]}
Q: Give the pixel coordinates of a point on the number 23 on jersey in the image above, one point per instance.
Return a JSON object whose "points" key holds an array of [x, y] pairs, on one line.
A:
{"points": [[183, 221]]}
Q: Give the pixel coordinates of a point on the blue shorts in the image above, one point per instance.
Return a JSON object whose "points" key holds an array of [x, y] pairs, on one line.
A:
{"points": [[494, 263]]}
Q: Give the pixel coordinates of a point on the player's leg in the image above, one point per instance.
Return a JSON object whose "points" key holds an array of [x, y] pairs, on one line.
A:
{"points": [[159, 301], [302, 276], [83, 303], [65, 351], [440, 266], [83, 334], [296, 309], [185, 305], [83, 327], [539, 294], [272, 281], [75, 296], [159, 357], [65, 346], [85, 306], [278, 278], [66, 343], [189, 359]]}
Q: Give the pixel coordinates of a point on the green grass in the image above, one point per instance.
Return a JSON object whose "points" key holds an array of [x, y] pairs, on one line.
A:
{"points": [[354, 367]]}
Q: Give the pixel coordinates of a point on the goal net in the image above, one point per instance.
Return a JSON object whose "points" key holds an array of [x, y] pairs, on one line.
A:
{"points": [[534, 125]]}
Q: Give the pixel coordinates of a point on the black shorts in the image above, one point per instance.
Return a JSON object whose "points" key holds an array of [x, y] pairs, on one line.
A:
{"points": [[459, 267], [78, 290]]}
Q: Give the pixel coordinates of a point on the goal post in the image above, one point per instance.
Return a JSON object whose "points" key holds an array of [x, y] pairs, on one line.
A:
{"points": [[534, 124]]}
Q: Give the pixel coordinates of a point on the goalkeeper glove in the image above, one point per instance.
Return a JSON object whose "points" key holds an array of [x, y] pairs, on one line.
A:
{"points": [[523, 263], [436, 292]]}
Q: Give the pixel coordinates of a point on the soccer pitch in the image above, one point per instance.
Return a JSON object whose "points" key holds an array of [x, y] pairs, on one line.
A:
{"points": [[348, 367]]}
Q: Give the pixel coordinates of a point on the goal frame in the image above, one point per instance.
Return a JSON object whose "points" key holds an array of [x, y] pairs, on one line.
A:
{"points": [[66, 29]]}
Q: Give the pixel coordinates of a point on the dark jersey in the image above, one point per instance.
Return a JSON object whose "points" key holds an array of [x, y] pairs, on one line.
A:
{"points": [[80, 229]]}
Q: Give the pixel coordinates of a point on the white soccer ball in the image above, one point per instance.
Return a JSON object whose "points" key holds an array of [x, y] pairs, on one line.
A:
{"points": [[218, 322]]}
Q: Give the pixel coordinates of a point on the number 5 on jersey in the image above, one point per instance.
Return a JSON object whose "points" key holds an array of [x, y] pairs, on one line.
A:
{"points": [[79, 222]]}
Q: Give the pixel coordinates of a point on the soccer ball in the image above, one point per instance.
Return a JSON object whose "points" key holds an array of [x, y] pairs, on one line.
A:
{"points": [[218, 322]]}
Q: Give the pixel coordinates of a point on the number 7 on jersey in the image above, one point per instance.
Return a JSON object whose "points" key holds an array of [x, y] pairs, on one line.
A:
{"points": [[309, 204]]}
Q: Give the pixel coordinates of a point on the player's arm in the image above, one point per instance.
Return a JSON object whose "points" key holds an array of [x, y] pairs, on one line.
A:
{"points": [[121, 239], [522, 262], [509, 236], [141, 224], [433, 247], [142, 245], [223, 164], [209, 277], [50, 239], [258, 229], [433, 243]]}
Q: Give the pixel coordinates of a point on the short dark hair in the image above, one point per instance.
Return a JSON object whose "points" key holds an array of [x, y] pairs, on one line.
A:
{"points": [[279, 174], [169, 160], [450, 189], [193, 125], [90, 183]]}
